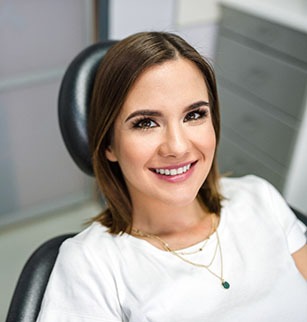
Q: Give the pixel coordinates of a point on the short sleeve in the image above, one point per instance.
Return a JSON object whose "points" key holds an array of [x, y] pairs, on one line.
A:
{"points": [[79, 289], [293, 228]]}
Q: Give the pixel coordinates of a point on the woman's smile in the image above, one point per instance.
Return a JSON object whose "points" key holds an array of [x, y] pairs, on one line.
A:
{"points": [[173, 173]]}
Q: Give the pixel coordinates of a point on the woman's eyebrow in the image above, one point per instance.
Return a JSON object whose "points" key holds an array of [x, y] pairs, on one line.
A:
{"points": [[196, 105], [143, 113], [159, 114]]}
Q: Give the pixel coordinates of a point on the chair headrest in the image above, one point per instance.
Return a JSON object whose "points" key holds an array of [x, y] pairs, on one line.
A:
{"points": [[74, 101]]}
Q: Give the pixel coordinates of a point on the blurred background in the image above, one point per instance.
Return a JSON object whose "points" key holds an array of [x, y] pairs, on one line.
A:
{"points": [[258, 49]]}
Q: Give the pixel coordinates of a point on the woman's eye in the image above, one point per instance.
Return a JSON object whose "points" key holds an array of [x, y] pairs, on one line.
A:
{"points": [[144, 124], [195, 115]]}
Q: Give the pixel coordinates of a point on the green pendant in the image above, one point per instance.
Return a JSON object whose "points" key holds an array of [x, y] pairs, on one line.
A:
{"points": [[225, 284]]}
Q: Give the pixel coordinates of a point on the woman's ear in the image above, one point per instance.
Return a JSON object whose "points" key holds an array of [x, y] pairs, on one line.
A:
{"points": [[110, 154]]}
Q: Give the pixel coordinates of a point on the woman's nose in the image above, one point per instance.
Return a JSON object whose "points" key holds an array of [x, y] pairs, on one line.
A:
{"points": [[175, 142]]}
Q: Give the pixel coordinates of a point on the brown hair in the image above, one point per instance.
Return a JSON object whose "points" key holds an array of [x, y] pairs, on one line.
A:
{"points": [[119, 69]]}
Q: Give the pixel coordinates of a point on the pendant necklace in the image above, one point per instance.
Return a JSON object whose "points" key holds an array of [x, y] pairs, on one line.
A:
{"points": [[180, 255]]}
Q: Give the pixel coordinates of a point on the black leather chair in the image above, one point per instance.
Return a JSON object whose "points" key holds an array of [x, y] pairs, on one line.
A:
{"points": [[300, 216], [73, 102], [33, 280]]}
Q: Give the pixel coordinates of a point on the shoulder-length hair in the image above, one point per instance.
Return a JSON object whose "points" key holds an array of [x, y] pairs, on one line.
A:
{"points": [[122, 65]]}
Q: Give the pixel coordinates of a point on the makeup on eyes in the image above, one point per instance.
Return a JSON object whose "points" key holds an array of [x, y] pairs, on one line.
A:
{"points": [[191, 116], [145, 119], [143, 123]]}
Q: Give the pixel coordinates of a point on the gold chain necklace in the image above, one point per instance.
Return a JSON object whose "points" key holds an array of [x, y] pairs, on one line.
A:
{"points": [[167, 248], [201, 248]]}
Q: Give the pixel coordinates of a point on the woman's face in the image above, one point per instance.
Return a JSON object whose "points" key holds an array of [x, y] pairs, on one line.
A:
{"points": [[164, 140]]}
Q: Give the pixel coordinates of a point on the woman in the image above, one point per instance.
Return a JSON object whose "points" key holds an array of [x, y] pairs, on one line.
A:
{"points": [[177, 242]]}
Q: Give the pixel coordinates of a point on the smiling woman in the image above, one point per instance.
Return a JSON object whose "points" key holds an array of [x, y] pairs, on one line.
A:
{"points": [[175, 235], [158, 83]]}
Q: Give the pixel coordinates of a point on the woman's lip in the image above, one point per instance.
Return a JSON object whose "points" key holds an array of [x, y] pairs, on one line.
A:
{"points": [[175, 166], [176, 177]]}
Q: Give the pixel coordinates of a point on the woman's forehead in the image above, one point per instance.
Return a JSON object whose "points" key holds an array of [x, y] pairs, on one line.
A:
{"points": [[173, 81]]}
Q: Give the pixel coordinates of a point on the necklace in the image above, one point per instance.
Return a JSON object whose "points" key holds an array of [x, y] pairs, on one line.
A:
{"points": [[201, 248], [180, 255]]}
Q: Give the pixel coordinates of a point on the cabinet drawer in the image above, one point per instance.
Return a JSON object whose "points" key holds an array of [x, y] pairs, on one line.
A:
{"points": [[233, 159], [284, 39], [256, 126], [272, 80]]}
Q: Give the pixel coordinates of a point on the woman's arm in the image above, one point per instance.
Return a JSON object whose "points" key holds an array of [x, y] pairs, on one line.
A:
{"points": [[300, 258]]}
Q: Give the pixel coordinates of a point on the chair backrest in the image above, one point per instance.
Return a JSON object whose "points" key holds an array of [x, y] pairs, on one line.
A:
{"points": [[300, 216], [74, 101], [28, 294]]}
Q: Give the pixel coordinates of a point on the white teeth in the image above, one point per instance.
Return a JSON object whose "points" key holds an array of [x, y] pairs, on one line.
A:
{"points": [[173, 172]]}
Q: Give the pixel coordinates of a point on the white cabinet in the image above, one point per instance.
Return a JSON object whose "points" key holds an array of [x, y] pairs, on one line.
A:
{"points": [[261, 67]]}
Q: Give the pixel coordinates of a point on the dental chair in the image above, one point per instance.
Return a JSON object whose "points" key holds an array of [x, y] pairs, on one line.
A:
{"points": [[74, 98]]}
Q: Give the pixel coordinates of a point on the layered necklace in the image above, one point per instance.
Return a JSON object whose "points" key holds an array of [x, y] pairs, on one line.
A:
{"points": [[181, 254]]}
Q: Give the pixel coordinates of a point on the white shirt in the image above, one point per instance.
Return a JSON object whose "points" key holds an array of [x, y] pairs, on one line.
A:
{"points": [[111, 278]]}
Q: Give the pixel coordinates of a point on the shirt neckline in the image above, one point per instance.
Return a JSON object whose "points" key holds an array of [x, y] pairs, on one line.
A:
{"points": [[141, 243]]}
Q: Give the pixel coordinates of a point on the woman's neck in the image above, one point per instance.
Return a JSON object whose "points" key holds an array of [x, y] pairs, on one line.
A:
{"points": [[181, 227]]}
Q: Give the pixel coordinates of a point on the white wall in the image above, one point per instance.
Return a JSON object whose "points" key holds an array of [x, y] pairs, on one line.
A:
{"points": [[195, 20]]}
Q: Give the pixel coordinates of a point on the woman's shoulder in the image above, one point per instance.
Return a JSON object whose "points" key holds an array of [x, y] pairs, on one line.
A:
{"points": [[247, 185], [92, 234], [90, 242], [255, 200], [81, 285], [252, 192]]}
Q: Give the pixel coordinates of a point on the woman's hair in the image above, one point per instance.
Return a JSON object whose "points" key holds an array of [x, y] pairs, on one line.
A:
{"points": [[122, 65]]}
